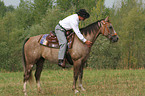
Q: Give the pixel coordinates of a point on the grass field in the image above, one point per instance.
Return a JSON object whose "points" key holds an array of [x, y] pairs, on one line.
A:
{"points": [[96, 83]]}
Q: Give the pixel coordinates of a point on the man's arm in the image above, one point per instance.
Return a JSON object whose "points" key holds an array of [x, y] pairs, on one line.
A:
{"points": [[78, 33], [80, 36]]}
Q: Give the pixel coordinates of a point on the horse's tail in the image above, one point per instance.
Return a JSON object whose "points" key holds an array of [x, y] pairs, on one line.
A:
{"points": [[23, 55], [30, 79]]}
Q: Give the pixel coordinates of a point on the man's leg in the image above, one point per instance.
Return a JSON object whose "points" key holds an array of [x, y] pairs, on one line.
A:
{"points": [[62, 43]]}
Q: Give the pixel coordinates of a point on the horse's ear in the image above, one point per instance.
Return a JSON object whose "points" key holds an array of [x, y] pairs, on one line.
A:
{"points": [[99, 24], [107, 19]]}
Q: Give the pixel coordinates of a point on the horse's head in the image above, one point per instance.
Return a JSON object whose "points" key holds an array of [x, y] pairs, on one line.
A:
{"points": [[107, 30]]}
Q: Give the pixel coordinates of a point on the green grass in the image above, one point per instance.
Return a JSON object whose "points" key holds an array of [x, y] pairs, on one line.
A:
{"points": [[96, 83]]}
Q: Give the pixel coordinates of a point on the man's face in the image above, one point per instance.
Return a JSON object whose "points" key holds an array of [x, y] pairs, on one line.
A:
{"points": [[81, 18]]}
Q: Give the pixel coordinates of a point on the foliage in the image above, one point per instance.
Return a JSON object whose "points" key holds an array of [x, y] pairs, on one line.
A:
{"points": [[4, 9], [131, 31], [78, 4], [34, 17]]}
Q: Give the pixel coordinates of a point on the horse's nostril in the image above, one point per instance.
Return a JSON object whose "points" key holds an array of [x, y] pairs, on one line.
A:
{"points": [[117, 38]]}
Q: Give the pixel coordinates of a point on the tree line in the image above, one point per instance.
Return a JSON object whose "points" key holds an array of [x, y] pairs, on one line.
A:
{"points": [[36, 17]]}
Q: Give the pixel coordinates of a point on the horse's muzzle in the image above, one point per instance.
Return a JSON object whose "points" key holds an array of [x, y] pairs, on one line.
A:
{"points": [[114, 38]]}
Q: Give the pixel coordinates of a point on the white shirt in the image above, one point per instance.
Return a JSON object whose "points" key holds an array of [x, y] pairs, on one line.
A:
{"points": [[72, 22]]}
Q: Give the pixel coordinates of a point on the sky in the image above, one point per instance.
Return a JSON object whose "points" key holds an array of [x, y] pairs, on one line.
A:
{"points": [[15, 3]]}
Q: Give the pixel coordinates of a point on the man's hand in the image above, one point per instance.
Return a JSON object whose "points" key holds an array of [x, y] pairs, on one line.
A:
{"points": [[88, 43]]}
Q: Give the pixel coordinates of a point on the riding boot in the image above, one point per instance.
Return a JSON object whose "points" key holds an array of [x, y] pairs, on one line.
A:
{"points": [[61, 63], [68, 58]]}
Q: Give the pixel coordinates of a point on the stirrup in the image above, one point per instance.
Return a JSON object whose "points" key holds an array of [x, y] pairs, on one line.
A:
{"points": [[61, 63]]}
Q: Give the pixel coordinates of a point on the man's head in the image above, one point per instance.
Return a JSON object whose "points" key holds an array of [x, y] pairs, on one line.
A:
{"points": [[83, 14]]}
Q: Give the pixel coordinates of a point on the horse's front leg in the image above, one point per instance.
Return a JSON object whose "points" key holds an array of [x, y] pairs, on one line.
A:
{"points": [[77, 66], [80, 78]]}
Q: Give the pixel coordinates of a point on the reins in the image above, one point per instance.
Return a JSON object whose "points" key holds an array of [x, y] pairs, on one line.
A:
{"points": [[96, 35]]}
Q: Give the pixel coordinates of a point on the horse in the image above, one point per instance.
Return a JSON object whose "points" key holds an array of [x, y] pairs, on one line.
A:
{"points": [[34, 53]]}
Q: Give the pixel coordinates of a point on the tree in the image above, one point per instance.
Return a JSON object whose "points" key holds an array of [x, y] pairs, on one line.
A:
{"points": [[39, 8], [129, 22], [76, 4], [3, 9], [34, 17], [10, 8]]}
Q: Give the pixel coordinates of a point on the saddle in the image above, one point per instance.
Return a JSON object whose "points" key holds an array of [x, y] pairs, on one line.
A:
{"points": [[50, 40]]}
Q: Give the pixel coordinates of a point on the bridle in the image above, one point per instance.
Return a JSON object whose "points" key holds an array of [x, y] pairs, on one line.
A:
{"points": [[101, 24], [104, 23]]}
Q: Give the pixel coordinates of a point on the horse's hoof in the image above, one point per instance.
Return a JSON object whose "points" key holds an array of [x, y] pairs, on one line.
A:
{"points": [[39, 90], [76, 91], [83, 89], [25, 94]]}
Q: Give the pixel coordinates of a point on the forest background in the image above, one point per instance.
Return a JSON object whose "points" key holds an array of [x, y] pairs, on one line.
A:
{"points": [[41, 16]]}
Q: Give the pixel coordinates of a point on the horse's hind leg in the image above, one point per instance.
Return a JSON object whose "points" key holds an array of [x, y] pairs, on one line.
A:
{"points": [[27, 76], [39, 67]]}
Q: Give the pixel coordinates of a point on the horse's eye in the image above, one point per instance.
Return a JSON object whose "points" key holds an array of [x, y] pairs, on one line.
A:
{"points": [[110, 27]]}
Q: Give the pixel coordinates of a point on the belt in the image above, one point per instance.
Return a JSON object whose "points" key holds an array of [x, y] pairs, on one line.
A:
{"points": [[62, 27]]}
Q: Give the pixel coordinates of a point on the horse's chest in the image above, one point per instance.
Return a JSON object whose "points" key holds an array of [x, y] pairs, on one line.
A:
{"points": [[77, 54]]}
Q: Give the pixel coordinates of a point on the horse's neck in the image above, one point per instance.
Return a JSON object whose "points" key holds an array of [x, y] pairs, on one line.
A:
{"points": [[92, 34], [79, 49]]}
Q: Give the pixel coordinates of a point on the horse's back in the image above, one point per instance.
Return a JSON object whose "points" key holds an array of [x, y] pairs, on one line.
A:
{"points": [[33, 42]]}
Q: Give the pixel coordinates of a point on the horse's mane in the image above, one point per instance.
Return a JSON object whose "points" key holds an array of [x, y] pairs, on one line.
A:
{"points": [[88, 29]]}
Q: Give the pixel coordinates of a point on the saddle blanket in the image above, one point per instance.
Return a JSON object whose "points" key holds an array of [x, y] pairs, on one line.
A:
{"points": [[43, 40]]}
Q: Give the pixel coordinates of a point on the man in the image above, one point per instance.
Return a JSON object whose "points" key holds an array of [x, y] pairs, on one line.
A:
{"points": [[70, 22]]}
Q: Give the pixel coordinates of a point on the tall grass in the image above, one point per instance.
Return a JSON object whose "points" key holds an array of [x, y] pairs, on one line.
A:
{"points": [[96, 83]]}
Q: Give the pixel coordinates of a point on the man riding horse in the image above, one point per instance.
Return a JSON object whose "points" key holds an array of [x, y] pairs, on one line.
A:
{"points": [[70, 22]]}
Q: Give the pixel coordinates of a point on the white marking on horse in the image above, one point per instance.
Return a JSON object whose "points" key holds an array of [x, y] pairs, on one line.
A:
{"points": [[38, 86], [82, 88], [31, 65], [24, 89]]}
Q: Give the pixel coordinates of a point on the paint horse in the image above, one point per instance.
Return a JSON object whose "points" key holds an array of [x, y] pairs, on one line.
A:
{"points": [[34, 53]]}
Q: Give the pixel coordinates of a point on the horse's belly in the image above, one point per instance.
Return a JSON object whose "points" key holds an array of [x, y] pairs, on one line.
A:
{"points": [[50, 54]]}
